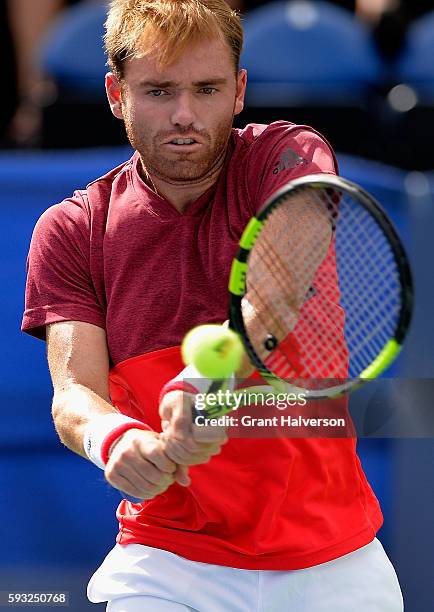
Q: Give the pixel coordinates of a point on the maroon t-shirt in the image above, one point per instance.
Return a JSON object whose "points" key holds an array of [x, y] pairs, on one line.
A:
{"points": [[121, 257]]}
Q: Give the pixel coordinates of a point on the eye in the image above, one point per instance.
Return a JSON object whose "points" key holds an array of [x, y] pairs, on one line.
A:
{"points": [[157, 93], [208, 91]]}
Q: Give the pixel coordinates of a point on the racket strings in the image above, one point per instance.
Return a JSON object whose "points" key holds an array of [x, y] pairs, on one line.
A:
{"points": [[280, 272], [339, 327], [359, 309], [278, 254], [311, 360], [374, 324], [271, 260], [256, 308], [256, 311]]}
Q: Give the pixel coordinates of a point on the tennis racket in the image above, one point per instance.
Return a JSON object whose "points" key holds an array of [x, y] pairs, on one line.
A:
{"points": [[321, 291]]}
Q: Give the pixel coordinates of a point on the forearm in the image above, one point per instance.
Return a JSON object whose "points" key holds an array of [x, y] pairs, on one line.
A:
{"points": [[72, 409], [137, 463]]}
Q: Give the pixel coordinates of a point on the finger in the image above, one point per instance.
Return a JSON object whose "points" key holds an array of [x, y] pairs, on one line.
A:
{"points": [[189, 452], [138, 447], [161, 460], [143, 488], [202, 456], [181, 420], [206, 454], [189, 444], [143, 456], [138, 473], [167, 404], [186, 448], [151, 474], [165, 410], [131, 483], [177, 453], [181, 476], [209, 434], [138, 495]]}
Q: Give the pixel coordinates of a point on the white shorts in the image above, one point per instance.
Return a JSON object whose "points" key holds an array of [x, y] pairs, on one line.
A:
{"points": [[136, 578]]}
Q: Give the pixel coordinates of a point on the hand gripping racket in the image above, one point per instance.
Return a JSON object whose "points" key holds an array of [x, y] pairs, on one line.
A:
{"points": [[321, 291]]}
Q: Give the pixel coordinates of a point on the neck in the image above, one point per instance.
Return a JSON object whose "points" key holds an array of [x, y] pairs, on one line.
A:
{"points": [[182, 193]]}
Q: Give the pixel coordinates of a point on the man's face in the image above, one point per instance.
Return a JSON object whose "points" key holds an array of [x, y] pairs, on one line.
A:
{"points": [[179, 119]]}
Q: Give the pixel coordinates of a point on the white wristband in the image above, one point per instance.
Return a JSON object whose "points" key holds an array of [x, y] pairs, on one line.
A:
{"points": [[102, 429]]}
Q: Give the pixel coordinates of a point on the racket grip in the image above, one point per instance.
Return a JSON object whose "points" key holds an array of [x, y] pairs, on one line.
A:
{"points": [[212, 409]]}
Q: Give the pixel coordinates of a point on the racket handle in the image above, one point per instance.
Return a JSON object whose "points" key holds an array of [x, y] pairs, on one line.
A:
{"points": [[212, 410]]}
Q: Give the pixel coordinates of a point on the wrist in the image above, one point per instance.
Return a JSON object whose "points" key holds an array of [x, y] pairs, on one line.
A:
{"points": [[103, 432], [191, 381]]}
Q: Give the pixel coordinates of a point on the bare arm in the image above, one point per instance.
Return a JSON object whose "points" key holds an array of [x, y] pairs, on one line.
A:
{"points": [[79, 367]]}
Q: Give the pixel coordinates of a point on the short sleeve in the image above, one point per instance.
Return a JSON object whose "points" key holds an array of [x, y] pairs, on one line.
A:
{"points": [[59, 285], [282, 153]]}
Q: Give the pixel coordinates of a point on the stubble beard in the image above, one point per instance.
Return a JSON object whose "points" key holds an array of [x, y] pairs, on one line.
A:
{"points": [[185, 168]]}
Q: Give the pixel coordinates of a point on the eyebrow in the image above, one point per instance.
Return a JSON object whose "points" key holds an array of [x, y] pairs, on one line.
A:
{"points": [[167, 84]]}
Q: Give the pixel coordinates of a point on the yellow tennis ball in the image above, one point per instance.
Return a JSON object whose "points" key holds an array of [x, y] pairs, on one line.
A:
{"points": [[215, 351]]}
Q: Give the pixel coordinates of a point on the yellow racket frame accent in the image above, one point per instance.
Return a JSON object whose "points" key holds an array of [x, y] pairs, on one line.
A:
{"points": [[250, 234], [239, 271], [237, 279], [382, 361]]}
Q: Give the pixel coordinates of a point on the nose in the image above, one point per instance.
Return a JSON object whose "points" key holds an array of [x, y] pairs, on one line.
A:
{"points": [[183, 112]]}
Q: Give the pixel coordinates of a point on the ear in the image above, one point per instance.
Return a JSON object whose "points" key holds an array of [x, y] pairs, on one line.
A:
{"points": [[241, 91], [114, 95]]}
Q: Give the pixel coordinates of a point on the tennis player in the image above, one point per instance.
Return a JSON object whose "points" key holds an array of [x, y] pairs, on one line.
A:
{"points": [[119, 272]]}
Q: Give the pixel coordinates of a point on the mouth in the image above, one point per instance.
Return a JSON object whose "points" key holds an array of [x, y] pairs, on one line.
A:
{"points": [[182, 140], [183, 144]]}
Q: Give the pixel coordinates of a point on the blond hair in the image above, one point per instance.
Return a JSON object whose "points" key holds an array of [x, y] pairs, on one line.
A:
{"points": [[135, 28]]}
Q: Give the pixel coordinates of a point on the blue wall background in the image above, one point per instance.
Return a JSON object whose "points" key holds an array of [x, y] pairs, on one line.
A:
{"points": [[57, 517]]}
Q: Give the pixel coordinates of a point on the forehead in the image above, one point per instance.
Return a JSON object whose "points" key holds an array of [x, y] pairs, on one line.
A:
{"points": [[197, 63]]}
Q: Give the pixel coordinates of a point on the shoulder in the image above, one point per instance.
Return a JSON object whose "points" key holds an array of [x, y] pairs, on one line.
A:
{"points": [[264, 140], [270, 156], [108, 182], [69, 215], [78, 212]]}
